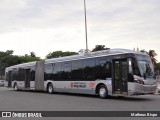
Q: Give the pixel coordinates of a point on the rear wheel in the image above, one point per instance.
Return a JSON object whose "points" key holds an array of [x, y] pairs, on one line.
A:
{"points": [[50, 88], [103, 92], [15, 86]]}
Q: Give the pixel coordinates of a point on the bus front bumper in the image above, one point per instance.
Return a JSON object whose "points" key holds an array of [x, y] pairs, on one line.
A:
{"points": [[139, 89], [149, 89]]}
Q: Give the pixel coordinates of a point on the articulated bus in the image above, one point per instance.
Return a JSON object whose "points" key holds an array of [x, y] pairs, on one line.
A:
{"points": [[114, 72]]}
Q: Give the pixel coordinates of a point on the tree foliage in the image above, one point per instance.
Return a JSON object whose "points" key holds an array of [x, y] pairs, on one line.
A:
{"points": [[152, 55], [56, 54], [144, 51], [100, 47], [8, 59], [33, 54], [158, 65], [83, 51]]}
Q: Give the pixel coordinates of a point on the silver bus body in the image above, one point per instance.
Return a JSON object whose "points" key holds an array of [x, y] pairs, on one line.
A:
{"points": [[123, 68]]}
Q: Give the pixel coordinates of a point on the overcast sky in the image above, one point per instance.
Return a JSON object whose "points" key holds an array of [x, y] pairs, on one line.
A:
{"points": [[44, 26]]}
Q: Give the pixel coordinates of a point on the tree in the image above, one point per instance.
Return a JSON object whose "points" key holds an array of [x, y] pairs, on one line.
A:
{"points": [[9, 52], [56, 54], [100, 47], [32, 54], [8, 59], [158, 65], [27, 58], [153, 54], [83, 51], [144, 51]]}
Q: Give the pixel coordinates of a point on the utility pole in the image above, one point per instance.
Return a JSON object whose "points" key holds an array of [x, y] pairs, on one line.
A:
{"points": [[86, 26]]}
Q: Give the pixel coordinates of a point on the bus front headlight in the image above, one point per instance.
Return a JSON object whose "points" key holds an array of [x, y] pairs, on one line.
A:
{"points": [[139, 81]]}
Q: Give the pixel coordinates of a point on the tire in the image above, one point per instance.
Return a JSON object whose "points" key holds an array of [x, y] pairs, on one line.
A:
{"points": [[15, 87], [50, 88], [103, 92]]}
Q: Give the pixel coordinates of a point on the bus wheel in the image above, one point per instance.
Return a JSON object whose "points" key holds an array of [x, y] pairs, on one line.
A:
{"points": [[103, 92], [16, 87], [50, 88]]}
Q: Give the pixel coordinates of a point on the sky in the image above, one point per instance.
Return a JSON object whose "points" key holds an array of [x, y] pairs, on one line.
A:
{"points": [[44, 26]]}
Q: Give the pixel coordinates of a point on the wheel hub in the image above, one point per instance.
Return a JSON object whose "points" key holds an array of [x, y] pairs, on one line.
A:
{"points": [[102, 91]]}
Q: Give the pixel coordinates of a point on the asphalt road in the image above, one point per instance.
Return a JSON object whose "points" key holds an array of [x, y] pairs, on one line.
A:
{"points": [[11, 100]]}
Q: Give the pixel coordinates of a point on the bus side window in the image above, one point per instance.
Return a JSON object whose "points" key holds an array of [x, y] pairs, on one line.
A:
{"points": [[32, 73], [66, 70], [57, 70], [6, 76], [15, 74], [88, 66], [102, 69], [108, 70], [21, 74], [48, 72], [77, 70]]}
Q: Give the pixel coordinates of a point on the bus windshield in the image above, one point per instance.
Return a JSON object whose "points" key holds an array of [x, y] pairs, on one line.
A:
{"points": [[145, 66]]}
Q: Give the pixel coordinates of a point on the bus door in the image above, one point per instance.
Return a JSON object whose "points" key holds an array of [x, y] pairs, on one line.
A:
{"points": [[27, 78], [120, 71]]}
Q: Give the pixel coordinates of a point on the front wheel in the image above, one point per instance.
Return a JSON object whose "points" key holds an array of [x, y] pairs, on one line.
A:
{"points": [[50, 88], [103, 92]]}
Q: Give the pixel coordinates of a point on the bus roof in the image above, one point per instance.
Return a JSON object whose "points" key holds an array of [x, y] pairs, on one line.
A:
{"points": [[22, 65], [94, 54], [80, 56]]}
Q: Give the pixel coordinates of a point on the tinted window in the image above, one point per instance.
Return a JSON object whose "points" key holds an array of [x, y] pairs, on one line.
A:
{"points": [[77, 70], [11, 75], [10, 79], [117, 70], [15, 74], [124, 70], [57, 71], [103, 69], [21, 74], [88, 66], [6, 76], [66, 70], [33, 73], [48, 72], [135, 68]]}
